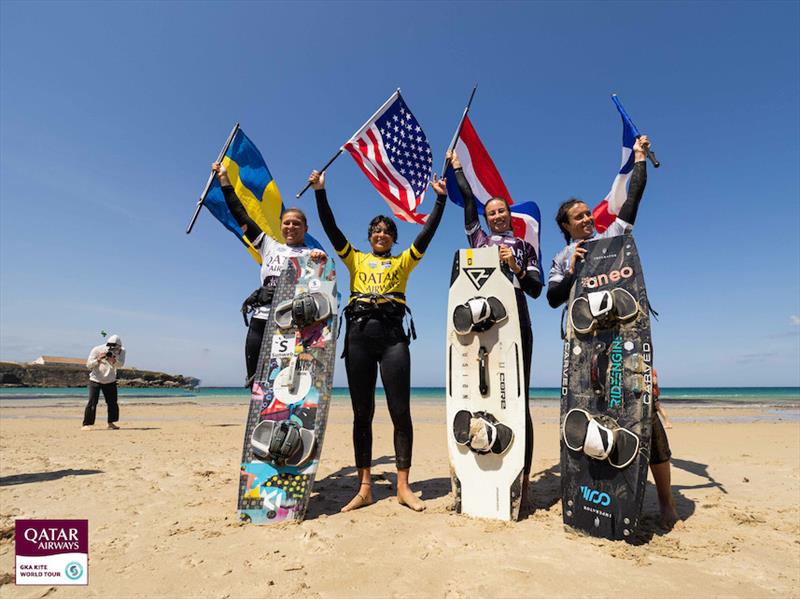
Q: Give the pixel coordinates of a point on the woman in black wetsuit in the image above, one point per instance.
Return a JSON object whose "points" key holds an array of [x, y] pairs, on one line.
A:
{"points": [[575, 220], [375, 335], [519, 260]]}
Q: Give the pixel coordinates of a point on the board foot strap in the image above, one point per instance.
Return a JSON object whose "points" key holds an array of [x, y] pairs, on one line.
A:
{"points": [[481, 432], [600, 438]]}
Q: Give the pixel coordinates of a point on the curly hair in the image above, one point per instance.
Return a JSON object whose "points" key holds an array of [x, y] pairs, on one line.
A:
{"points": [[391, 228]]}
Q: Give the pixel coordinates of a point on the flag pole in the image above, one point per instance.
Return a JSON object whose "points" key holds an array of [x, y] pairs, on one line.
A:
{"points": [[650, 154], [458, 129], [322, 170], [356, 134], [211, 179]]}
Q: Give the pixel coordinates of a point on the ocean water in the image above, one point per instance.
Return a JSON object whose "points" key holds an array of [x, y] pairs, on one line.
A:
{"points": [[699, 396]]}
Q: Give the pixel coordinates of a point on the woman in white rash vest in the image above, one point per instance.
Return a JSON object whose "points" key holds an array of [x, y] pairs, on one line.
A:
{"points": [[575, 220], [274, 256]]}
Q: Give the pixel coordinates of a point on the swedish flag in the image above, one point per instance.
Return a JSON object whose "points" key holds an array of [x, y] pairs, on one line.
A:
{"points": [[255, 188]]}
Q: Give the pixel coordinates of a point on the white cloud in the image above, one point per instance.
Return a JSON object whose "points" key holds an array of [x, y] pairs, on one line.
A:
{"points": [[795, 319]]}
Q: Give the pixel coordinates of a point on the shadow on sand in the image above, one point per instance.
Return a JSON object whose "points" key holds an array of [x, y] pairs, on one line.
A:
{"points": [[650, 525], [40, 477], [336, 489]]}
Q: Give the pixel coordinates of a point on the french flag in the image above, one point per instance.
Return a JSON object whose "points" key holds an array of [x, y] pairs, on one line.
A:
{"points": [[606, 211], [486, 183]]}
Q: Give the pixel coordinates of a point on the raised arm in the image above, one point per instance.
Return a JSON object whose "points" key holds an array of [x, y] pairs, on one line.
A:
{"points": [[628, 210], [470, 207], [248, 225], [429, 228], [337, 238]]}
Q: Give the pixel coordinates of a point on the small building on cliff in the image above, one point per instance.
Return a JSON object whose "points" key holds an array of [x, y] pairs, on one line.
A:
{"points": [[58, 360]]}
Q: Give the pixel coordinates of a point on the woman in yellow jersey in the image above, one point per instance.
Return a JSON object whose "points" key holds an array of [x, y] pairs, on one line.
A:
{"points": [[375, 335]]}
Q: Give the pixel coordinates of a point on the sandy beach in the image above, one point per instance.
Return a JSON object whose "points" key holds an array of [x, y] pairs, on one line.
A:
{"points": [[160, 499]]}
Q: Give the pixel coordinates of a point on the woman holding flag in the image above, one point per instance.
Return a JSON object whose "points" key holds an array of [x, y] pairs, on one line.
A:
{"points": [[375, 336], [577, 224], [274, 256], [518, 258]]}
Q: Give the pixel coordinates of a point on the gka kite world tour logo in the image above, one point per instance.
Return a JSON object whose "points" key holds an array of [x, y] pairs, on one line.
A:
{"points": [[52, 552]]}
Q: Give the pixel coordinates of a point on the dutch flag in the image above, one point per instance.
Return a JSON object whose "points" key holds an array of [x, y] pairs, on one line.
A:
{"points": [[486, 183]]}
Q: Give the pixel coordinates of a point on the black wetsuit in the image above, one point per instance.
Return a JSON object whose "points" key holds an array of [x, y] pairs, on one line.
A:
{"points": [[530, 284], [375, 335]]}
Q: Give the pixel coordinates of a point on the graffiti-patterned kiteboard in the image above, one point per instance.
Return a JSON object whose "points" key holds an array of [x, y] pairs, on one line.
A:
{"points": [[606, 392], [291, 395], [485, 388]]}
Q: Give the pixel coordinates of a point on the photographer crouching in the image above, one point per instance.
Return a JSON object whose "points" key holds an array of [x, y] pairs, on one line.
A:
{"points": [[103, 362]]}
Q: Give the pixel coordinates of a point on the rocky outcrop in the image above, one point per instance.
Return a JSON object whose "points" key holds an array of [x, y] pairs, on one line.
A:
{"points": [[57, 375]]}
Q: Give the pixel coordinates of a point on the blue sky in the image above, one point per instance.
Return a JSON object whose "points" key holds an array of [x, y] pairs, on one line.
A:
{"points": [[110, 114]]}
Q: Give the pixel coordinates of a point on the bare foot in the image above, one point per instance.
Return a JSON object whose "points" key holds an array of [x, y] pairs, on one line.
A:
{"points": [[113, 426], [669, 517], [362, 499], [406, 497]]}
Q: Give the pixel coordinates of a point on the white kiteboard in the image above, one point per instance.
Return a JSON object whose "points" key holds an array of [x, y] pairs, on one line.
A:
{"points": [[485, 388]]}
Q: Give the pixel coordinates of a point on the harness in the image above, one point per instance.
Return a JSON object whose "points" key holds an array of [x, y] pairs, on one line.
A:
{"points": [[387, 307], [260, 297]]}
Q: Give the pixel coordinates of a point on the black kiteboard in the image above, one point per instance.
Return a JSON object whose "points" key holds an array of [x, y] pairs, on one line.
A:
{"points": [[606, 392]]}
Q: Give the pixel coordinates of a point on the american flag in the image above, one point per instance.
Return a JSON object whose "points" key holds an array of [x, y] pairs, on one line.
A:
{"points": [[394, 153]]}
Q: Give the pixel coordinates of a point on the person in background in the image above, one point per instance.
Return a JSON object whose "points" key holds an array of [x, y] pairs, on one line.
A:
{"points": [[657, 399], [103, 363]]}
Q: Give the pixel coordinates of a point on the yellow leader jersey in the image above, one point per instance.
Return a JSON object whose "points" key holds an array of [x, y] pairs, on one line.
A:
{"points": [[379, 275]]}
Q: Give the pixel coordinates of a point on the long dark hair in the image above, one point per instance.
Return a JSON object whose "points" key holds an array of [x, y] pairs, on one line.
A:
{"points": [[391, 228], [562, 217]]}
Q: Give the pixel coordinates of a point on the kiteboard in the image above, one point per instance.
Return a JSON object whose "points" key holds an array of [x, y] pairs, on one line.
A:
{"points": [[606, 392], [291, 395], [485, 388]]}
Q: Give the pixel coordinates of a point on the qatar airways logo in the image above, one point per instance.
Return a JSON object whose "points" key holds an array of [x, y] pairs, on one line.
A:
{"points": [[603, 278], [52, 552], [49, 539]]}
